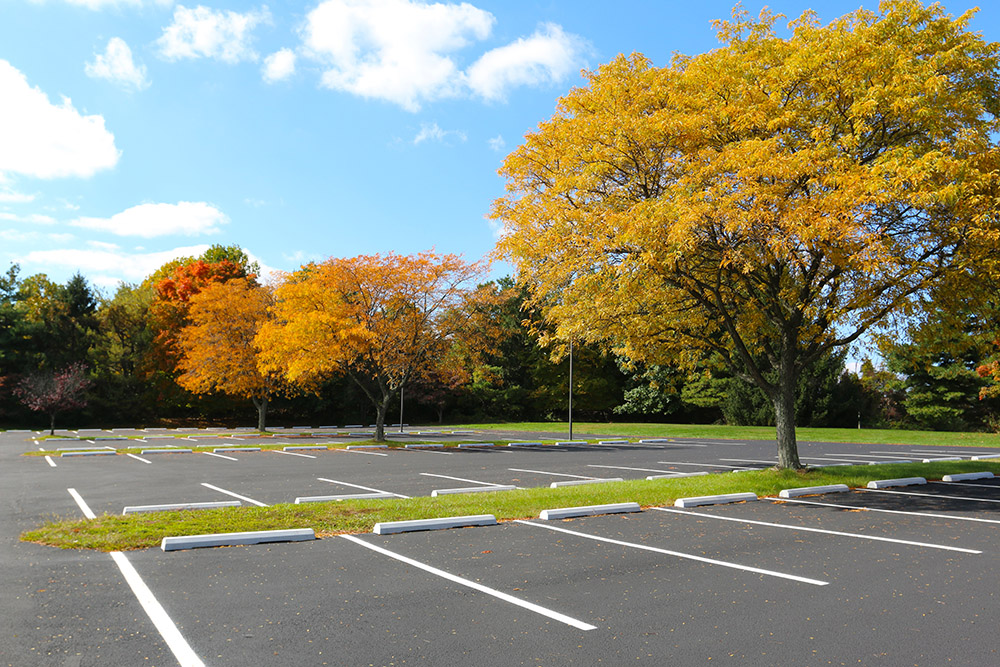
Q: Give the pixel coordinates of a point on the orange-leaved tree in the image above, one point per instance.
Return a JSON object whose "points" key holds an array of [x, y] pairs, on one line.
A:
{"points": [[768, 201], [377, 318], [218, 347]]}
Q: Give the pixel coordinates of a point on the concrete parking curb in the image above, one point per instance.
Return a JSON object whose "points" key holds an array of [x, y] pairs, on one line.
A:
{"points": [[813, 490], [428, 446], [946, 458], [883, 463], [96, 452], [472, 489], [653, 441], [581, 482], [525, 444], [572, 442], [237, 539], [967, 476], [390, 527], [613, 442], [986, 457], [235, 449], [347, 496], [138, 509], [588, 510], [476, 444], [715, 500], [902, 481], [165, 451], [677, 475], [368, 447]]}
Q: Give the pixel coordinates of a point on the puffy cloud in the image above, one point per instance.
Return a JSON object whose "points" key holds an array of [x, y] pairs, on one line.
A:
{"points": [[101, 4], [8, 196], [152, 220], [116, 65], [431, 132], [44, 140], [547, 56], [111, 264], [394, 50], [497, 143], [207, 33], [34, 218], [279, 66]]}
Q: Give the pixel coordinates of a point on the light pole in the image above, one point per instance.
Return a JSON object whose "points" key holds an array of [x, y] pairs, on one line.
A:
{"points": [[400, 408], [571, 389]]}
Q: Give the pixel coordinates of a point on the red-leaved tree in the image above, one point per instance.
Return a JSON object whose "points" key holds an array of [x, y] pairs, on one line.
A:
{"points": [[52, 392]]}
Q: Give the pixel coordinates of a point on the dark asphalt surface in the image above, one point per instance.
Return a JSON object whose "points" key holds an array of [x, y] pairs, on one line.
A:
{"points": [[334, 602]]}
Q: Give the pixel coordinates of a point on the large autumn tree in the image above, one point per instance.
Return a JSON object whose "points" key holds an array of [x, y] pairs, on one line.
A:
{"points": [[378, 319], [770, 200], [219, 349]]}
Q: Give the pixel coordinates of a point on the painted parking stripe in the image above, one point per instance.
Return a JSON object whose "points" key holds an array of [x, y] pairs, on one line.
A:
{"points": [[360, 451], [981, 486], [157, 614], [700, 465], [461, 479], [554, 474], [137, 458], [50, 461], [221, 456], [858, 460], [879, 509], [932, 495], [234, 495], [305, 456], [678, 554], [524, 604], [669, 472], [819, 530], [358, 486]]}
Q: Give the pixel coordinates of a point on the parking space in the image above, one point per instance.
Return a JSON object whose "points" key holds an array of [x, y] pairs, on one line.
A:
{"points": [[866, 576]]}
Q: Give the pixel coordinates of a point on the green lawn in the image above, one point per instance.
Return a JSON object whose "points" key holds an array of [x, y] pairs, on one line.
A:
{"points": [[714, 431], [139, 531]]}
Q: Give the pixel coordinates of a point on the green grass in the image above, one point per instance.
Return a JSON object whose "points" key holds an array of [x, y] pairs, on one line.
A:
{"points": [[716, 431], [139, 531]]}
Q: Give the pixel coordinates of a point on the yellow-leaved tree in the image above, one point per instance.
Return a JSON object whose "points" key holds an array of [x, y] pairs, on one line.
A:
{"points": [[769, 200], [218, 348], [379, 319]]}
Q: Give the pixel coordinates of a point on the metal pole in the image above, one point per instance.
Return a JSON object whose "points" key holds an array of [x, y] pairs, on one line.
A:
{"points": [[571, 390], [400, 408]]}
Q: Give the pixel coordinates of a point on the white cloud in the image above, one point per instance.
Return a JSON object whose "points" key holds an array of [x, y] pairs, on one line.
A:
{"points": [[394, 50], [8, 196], [116, 65], [547, 56], [279, 66], [35, 218], [497, 143], [101, 4], [207, 33], [431, 132], [152, 220], [107, 262], [43, 140]]}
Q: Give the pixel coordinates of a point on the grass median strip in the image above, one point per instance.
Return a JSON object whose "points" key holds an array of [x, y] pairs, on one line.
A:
{"points": [[114, 532]]}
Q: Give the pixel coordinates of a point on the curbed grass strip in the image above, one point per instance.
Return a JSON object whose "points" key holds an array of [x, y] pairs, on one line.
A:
{"points": [[119, 533]]}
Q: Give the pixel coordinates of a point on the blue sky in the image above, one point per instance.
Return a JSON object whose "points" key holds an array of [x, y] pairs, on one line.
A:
{"points": [[134, 131]]}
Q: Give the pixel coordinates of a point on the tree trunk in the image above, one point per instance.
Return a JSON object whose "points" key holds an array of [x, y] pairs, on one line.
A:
{"points": [[52, 424], [784, 414], [381, 409], [261, 405]]}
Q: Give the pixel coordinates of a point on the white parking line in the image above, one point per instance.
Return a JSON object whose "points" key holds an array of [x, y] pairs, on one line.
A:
{"points": [[752, 461], [157, 614], [854, 459], [877, 509], [931, 495], [668, 472], [554, 474], [361, 451], [700, 559], [700, 465], [983, 486], [137, 458], [861, 536], [530, 606], [462, 479], [221, 456], [234, 495], [50, 461], [305, 456], [358, 486]]}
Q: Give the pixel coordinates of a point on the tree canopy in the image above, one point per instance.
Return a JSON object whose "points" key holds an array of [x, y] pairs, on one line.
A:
{"points": [[768, 201]]}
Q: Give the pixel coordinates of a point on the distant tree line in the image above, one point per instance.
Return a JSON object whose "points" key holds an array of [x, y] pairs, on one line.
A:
{"points": [[182, 347]]}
